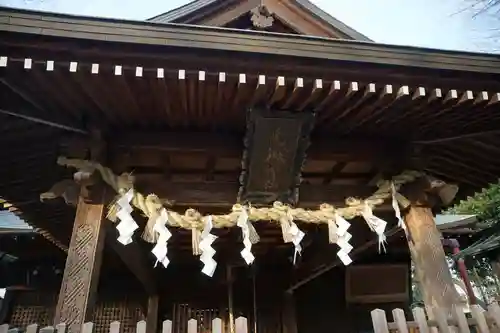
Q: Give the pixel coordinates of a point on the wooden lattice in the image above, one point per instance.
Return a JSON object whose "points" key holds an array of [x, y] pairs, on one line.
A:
{"points": [[182, 313], [240, 326], [35, 307], [128, 313]]}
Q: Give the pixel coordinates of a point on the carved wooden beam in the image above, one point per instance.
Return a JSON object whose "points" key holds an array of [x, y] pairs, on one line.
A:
{"points": [[81, 274]]}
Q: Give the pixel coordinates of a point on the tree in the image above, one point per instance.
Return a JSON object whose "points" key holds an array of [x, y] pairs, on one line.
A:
{"points": [[488, 11], [486, 242], [484, 204]]}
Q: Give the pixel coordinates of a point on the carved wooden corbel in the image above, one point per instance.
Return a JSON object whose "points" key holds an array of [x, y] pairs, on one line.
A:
{"points": [[67, 189], [428, 192]]}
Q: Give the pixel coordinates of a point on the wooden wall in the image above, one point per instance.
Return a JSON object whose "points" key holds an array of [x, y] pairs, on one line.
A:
{"points": [[28, 307], [321, 304]]}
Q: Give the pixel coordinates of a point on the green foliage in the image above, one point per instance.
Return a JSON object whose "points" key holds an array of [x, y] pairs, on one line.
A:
{"points": [[478, 256], [484, 204]]}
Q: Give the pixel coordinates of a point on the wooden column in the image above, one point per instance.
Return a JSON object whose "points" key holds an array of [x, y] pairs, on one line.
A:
{"points": [[152, 316], [424, 240], [81, 274], [230, 308], [289, 317]]}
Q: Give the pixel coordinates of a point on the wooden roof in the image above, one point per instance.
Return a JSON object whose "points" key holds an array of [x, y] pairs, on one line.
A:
{"points": [[180, 93], [301, 16]]}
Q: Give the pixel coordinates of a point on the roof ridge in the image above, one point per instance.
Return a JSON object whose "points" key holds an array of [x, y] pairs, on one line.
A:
{"points": [[178, 12], [195, 5], [325, 16]]}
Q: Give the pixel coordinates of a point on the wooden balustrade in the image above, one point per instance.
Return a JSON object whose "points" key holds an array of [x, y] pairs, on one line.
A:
{"points": [[479, 320], [216, 326]]}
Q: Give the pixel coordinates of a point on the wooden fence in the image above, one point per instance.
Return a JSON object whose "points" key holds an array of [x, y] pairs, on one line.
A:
{"points": [[479, 320], [241, 326]]}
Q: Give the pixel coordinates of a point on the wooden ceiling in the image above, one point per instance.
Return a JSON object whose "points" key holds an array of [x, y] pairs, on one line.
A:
{"points": [[181, 133]]}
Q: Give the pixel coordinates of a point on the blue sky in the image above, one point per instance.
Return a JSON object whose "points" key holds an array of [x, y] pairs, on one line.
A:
{"points": [[428, 23]]}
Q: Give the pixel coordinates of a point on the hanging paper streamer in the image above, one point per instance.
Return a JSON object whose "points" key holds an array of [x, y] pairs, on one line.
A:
{"points": [[395, 206], [195, 241], [207, 251], [343, 238], [246, 253], [332, 232], [127, 225], [252, 233], [160, 250], [377, 225], [292, 234]]}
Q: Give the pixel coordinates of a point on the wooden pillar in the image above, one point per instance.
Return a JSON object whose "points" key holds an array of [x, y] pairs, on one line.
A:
{"points": [[81, 274], [152, 316], [230, 308], [289, 317], [424, 240]]}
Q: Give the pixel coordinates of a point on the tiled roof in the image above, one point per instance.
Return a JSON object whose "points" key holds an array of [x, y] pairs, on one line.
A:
{"points": [[10, 222], [448, 221]]}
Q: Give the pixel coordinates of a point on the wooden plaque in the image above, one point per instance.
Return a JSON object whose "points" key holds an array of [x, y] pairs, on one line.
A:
{"points": [[381, 283], [275, 142]]}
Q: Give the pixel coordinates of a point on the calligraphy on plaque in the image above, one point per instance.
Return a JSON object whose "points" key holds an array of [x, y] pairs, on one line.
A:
{"points": [[275, 143]]}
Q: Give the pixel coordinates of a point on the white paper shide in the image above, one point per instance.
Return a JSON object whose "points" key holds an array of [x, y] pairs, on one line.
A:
{"points": [[127, 224], [246, 253], [377, 225], [160, 250], [292, 234], [343, 238], [397, 210], [207, 251]]}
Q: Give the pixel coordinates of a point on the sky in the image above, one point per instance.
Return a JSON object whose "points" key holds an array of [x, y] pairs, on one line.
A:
{"points": [[441, 24]]}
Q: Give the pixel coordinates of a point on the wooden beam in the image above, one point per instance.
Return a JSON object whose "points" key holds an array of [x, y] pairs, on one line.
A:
{"points": [[224, 194], [81, 274], [135, 259], [335, 171], [220, 145]]}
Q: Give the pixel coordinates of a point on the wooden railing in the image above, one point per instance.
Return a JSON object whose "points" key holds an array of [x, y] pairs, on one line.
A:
{"points": [[479, 320], [241, 326]]}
